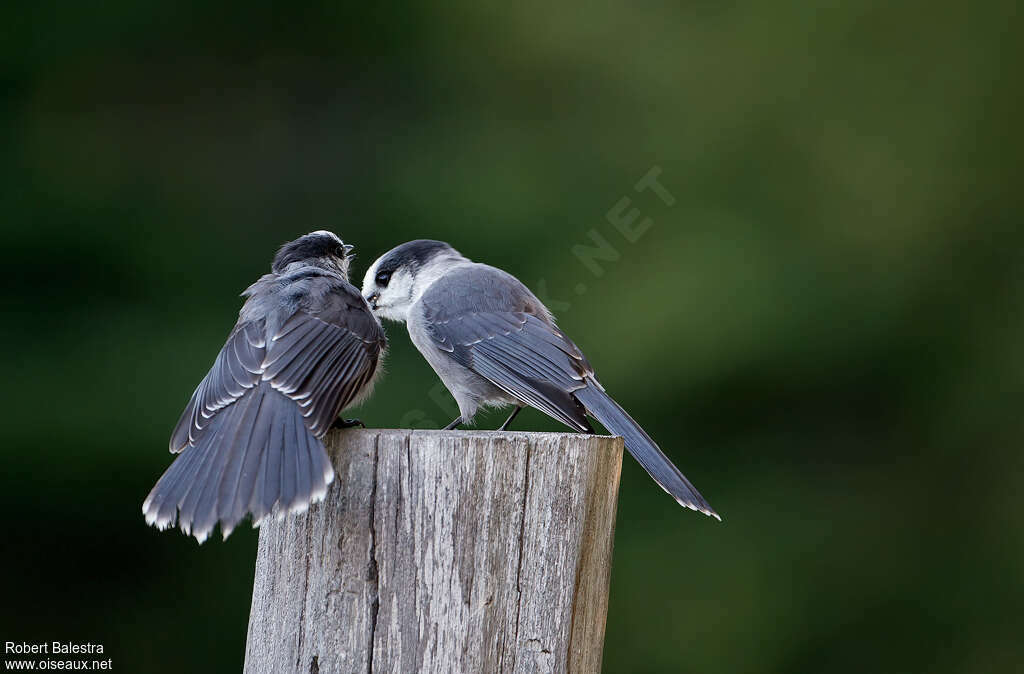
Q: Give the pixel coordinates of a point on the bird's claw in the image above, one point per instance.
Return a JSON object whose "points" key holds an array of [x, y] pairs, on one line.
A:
{"points": [[347, 423]]}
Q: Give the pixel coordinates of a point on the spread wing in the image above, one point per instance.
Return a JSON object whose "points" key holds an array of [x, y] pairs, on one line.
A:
{"points": [[306, 346], [322, 366], [235, 372], [322, 362]]}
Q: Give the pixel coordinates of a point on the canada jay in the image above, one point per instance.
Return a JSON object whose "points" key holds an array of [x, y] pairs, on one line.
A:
{"points": [[493, 343], [304, 348]]}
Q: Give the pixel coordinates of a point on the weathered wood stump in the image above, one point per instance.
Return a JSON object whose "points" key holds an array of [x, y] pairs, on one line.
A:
{"points": [[443, 551]]}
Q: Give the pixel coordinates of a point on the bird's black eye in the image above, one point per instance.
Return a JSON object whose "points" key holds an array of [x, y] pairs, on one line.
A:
{"points": [[383, 279]]}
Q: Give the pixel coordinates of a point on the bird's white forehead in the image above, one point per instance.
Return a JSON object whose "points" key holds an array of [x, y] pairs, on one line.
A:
{"points": [[368, 281]]}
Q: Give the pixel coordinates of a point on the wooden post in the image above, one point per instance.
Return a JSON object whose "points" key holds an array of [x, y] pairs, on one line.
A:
{"points": [[443, 551]]}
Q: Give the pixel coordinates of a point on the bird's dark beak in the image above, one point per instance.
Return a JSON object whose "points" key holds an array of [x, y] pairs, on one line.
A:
{"points": [[347, 248], [371, 299]]}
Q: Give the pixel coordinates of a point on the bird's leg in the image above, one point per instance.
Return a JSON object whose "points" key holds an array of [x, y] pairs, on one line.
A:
{"points": [[517, 410], [347, 423], [455, 422]]}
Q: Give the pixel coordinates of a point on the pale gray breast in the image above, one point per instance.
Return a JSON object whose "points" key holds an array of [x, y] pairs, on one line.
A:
{"points": [[449, 295]]}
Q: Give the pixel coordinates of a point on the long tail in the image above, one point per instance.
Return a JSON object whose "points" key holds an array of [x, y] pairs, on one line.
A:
{"points": [[643, 449], [255, 456]]}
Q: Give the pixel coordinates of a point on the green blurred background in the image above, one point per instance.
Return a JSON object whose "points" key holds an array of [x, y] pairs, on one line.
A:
{"points": [[824, 329]]}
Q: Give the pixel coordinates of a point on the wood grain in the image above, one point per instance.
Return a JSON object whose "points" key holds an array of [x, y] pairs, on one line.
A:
{"points": [[443, 551]]}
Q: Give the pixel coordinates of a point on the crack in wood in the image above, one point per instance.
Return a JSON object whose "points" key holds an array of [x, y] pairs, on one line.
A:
{"points": [[519, 563], [305, 598], [373, 570]]}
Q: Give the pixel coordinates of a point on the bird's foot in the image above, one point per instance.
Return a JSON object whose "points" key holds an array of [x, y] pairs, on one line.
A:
{"points": [[347, 423], [508, 422]]}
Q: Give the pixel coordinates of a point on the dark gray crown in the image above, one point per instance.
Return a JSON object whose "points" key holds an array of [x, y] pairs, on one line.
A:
{"points": [[309, 247], [412, 254]]}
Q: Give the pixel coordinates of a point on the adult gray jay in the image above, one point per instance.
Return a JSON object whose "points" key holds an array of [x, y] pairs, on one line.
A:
{"points": [[493, 343], [305, 347]]}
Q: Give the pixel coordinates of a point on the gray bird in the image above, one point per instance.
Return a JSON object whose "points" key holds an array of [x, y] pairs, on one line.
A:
{"points": [[493, 343], [305, 347]]}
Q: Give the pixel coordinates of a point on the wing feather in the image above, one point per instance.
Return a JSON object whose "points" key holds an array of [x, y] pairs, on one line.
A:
{"points": [[234, 372], [316, 364], [522, 355]]}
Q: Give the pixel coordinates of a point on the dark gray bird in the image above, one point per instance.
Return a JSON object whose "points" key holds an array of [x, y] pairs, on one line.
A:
{"points": [[305, 347], [493, 343]]}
